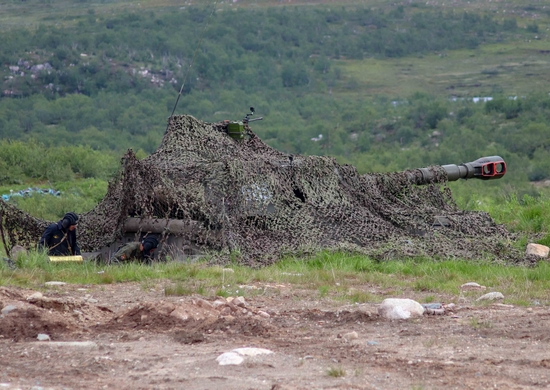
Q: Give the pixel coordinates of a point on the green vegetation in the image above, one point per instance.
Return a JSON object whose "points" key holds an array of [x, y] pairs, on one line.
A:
{"points": [[340, 276], [336, 372]]}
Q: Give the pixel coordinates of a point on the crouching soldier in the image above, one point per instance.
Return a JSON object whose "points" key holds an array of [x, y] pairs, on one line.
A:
{"points": [[59, 239], [140, 251]]}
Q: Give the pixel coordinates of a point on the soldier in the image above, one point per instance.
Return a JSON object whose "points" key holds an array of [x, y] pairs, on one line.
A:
{"points": [[141, 251], [59, 239]]}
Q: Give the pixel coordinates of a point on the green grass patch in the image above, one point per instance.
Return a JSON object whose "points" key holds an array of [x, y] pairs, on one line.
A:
{"points": [[510, 69], [336, 372], [339, 276]]}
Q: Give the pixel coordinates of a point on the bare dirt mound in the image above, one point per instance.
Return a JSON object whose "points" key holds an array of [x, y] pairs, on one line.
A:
{"points": [[195, 317], [27, 313]]}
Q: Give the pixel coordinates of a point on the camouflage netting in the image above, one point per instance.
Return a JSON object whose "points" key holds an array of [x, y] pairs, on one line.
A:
{"points": [[245, 197]]}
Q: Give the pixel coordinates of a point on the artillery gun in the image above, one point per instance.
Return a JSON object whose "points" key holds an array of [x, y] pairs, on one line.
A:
{"points": [[259, 203], [484, 168], [218, 188]]}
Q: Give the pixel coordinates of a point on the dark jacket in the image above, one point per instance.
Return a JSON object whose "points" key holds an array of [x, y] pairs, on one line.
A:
{"points": [[58, 241]]}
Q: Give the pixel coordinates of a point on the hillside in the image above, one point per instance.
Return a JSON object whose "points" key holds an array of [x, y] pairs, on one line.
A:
{"points": [[384, 87]]}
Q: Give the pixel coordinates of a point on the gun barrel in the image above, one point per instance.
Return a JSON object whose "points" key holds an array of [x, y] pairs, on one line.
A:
{"points": [[485, 168]]}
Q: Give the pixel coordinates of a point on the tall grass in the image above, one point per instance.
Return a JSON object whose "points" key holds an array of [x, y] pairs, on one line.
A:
{"points": [[339, 276]]}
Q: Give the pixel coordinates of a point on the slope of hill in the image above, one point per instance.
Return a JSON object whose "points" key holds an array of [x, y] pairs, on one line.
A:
{"points": [[385, 87]]}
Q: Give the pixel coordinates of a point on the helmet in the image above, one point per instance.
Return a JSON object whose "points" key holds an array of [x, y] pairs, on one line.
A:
{"points": [[149, 243], [69, 219]]}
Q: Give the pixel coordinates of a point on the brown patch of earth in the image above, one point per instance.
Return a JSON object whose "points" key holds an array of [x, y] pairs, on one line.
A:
{"points": [[126, 337]]}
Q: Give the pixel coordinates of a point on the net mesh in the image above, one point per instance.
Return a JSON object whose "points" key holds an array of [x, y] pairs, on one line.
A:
{"points": [[244, 197]]}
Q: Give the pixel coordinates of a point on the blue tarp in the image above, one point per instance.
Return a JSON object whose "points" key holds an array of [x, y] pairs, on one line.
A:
{"points": [[29, 191]]}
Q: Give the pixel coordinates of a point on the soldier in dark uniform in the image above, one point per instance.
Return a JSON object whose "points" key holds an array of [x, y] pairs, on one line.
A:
{"points": [[141, 251], [59, 239]]}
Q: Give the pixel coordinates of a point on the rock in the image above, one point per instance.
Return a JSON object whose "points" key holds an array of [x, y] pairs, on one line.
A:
{"points": [[252, 351], [17, 251], [8, 309], [35, 296], [350, 336], [229, 358], [180, 314], [54, 283], [472, 286], [239, 301], [537, 250], [400, 309], [451, 306], [372, 343], [236, 356], [491, 296], [218, 303], [203, 303], [43, 337], [263, 314], [433, 306]]}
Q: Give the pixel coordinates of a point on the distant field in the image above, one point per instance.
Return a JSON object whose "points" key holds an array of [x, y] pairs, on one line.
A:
{"points": [[513, 69]]}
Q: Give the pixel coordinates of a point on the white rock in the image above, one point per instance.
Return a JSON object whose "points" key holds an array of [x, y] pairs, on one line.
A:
{"points": [[252, 351], [400, 309], [43, 337], [53, 283], [263, 314], [36, 295], [239, 301], [472, 286], [537, 250], [351, 336], [236, 356], [229, 358], [491, 296]]}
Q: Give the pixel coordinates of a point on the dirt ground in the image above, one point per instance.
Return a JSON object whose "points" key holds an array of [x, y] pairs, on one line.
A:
{"points": [[127, 336]]}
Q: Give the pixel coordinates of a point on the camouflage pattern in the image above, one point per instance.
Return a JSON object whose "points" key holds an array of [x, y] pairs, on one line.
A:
{"points": [[245, 198], [128, 252]]}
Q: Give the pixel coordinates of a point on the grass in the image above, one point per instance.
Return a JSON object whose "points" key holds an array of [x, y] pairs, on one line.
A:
{"points": [[336, 372], [478, 324], [515, 69], [338, 276]]}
